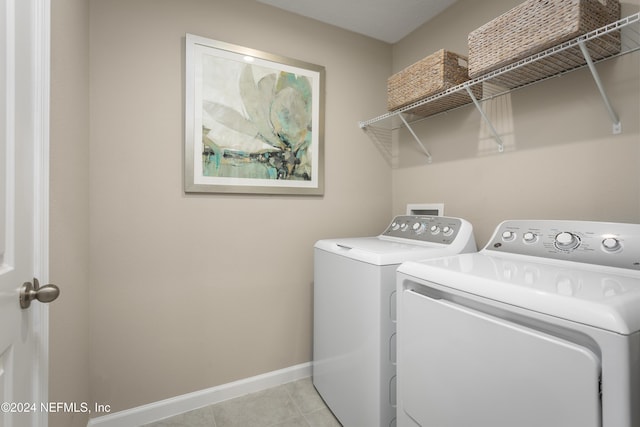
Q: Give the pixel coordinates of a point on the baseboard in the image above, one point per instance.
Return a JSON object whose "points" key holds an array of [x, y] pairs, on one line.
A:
{"points": [[155, 411]]}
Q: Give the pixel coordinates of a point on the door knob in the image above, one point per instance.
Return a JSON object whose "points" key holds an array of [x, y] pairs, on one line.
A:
{"points": [[29, 292]]}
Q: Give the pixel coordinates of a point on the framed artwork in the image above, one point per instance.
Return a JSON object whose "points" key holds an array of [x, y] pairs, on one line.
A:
{"points": [[254, 121]]}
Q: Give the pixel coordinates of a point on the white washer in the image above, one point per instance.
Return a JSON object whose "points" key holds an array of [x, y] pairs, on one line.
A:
{"points": [[354, 312], [539, 328]]}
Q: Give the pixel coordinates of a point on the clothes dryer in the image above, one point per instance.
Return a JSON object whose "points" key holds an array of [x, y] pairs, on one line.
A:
{"points": [[539, 328], [355, 312]]}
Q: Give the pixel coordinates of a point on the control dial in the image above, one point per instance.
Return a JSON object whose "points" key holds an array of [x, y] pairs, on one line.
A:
{"points": [[611, 244], [419, 227], [508, 236], [567, 241], [434, 229]]}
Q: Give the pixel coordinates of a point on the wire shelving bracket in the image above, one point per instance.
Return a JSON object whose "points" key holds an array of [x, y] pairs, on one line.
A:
{"points": [[617, 126]]}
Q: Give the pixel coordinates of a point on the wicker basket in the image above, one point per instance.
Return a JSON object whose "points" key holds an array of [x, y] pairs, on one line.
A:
{"points": [[534, 26], [429, 76]]}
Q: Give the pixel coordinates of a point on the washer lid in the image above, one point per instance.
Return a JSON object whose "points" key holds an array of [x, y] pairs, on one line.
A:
{"points": [[604, 297], [379, 251]]}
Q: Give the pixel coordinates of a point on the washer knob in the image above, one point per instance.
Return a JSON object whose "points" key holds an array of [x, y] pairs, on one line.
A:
{"points": [[395, 226], [529, 237], [611, 244], [447, 231], [567, 241], [404, 227], [418, 227], [434, 229]]}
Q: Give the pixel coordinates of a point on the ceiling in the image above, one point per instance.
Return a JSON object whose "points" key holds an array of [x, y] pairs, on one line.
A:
{"points": [[386, 20]]}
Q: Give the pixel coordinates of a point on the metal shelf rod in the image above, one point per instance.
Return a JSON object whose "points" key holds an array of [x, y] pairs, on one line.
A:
{"points": [[617, 126], [416, 138], [496, 136]]}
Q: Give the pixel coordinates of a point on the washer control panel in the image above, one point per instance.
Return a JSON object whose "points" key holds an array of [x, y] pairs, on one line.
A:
{"points": [[602, 243], [434, 229]]}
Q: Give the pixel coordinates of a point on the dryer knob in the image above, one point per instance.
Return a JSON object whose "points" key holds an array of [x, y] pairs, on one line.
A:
{"points": [[611, 244], [508, 236], [567, 241]]}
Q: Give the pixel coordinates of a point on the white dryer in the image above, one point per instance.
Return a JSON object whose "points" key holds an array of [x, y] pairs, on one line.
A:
{"points": [[354, 312], [539, 328]]}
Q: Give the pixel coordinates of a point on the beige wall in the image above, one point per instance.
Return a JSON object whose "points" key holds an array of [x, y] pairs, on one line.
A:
{"points": [[69, 207], [193, 291], [166, 293], [561, 160]]}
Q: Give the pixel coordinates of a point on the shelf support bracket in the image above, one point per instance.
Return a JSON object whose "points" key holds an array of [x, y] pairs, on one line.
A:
{"points": [[617, 126], [429, 159], [496, 136]]}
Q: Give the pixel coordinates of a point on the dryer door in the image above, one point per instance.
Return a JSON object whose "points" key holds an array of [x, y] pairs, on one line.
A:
{"points": [[459, 368]]}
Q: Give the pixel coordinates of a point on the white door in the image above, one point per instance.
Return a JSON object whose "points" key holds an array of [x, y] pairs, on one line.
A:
{"points": [[23, 211], [461, 367]]}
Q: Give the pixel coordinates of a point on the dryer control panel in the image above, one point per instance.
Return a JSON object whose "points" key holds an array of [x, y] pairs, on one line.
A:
{"points": [[601, 243], [434, 229]]}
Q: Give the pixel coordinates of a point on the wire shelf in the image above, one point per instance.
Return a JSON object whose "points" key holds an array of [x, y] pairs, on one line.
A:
{"points": [[619, 38]]}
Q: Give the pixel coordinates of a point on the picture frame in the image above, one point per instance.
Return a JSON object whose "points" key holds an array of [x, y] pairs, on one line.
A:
{"points": [[254, 121]]}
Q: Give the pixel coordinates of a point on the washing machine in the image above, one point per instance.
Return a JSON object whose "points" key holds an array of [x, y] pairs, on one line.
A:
{"points": [[354, 343], [539, 328]]}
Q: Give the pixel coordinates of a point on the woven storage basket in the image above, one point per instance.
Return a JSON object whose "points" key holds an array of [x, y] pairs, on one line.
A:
{"points": [[536, 25], [435, 73]]}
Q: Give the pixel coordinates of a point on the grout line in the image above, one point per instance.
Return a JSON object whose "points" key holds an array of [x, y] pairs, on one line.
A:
{"points": [[300, 413], [213, 415]]}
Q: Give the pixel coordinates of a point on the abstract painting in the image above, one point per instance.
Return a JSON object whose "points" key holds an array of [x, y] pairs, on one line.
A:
{"points": [[253, 121]]}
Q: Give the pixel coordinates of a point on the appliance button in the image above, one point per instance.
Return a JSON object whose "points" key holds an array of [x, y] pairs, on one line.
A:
{"points": [[418, 227], [529, 237], [508, 236], [567, 241], [611, 244]]}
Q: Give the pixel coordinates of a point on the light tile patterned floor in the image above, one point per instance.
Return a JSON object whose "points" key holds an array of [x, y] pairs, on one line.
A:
{"points": [[296, 404]]}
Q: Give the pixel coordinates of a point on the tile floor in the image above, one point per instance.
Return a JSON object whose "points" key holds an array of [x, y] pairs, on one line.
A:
{"points": [[295, 404]]}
